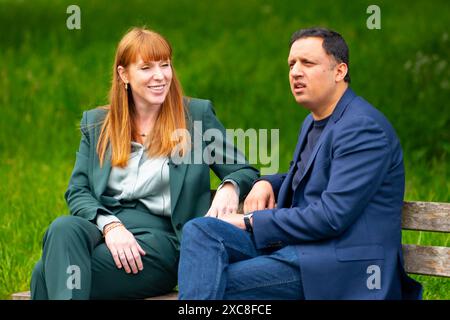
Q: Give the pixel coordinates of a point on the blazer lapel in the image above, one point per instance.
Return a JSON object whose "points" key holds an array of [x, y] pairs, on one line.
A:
{"points": [[301, 141], [101, 174], [177, 173], [316, 148], [284, 190], [346, 98]]}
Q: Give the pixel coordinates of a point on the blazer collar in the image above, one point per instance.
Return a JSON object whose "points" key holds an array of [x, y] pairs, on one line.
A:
{"points": [[342, 104]]}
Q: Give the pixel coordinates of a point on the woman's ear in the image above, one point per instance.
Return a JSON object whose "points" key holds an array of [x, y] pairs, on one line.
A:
{"points": [[122, 74]]}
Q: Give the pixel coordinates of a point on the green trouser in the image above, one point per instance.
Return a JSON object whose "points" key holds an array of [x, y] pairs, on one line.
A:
{"points": [[77, 264]]}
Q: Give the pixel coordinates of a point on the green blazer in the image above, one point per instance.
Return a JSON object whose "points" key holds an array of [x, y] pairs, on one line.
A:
{"points": [[189, 183]]}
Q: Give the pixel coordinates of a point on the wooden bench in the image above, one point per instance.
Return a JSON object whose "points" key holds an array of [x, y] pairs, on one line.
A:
{"points": [[422, 260], [426, 216]]}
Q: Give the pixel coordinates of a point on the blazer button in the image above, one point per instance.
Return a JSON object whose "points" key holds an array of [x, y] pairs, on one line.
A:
{"points": [[179, 226]]}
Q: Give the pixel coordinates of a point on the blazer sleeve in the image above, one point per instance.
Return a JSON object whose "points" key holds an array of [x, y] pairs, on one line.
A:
{"points": [[79, 196], [237, 168], [361, 159]]}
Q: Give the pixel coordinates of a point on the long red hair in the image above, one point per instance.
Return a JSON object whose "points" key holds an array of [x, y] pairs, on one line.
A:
{"points": [[118, 128]]}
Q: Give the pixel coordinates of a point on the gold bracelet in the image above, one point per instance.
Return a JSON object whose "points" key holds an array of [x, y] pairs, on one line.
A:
{"points": [[111, 226]]}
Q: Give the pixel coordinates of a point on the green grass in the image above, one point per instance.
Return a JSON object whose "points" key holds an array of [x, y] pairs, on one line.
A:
{"points": [[231, 52]]}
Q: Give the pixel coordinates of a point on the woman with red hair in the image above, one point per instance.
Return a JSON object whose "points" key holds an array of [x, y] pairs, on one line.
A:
{"points": [[127, 196]]}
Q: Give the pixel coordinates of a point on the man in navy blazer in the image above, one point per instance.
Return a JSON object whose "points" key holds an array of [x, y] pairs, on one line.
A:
{"points": [[335, 232]]}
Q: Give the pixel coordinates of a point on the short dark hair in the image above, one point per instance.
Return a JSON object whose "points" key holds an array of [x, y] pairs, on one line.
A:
{"points": [[333, 44]]}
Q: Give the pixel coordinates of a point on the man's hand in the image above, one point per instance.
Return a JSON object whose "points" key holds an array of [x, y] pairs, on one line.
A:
{"points": [[225, 201], [260, 197], [125, 250]]}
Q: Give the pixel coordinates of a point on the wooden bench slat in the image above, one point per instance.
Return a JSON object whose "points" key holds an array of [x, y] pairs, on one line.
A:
{"points": [[426, 216], [26, 296], [21, 295], [426, 260], [170, 296]]}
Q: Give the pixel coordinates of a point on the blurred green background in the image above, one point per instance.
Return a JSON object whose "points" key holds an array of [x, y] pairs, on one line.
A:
{"points": [[231, 52]]}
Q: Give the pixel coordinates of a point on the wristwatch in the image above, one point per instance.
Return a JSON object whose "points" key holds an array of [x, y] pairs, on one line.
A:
{"points": [[248, 224]]}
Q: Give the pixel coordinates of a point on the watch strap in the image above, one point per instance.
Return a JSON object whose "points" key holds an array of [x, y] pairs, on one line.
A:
{"points": [[248, 224]]}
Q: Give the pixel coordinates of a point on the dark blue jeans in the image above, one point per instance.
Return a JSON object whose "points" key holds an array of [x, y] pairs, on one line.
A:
{"points": [[220, 261]]}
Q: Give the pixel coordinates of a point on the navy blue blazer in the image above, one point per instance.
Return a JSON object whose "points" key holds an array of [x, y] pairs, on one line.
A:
{"points": [[344, 217]]}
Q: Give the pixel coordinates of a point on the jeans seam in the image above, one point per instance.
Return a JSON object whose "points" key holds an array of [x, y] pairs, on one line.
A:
{"points": [[218, 277], [265, 285]]}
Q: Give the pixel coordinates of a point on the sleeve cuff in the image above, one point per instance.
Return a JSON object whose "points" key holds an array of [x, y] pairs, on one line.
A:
{"points": [[103, 219], [234, 183]]}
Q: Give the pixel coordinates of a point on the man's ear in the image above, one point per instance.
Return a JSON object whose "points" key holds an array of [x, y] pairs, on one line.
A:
{"points": [[122, 74], [341, 71]]}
